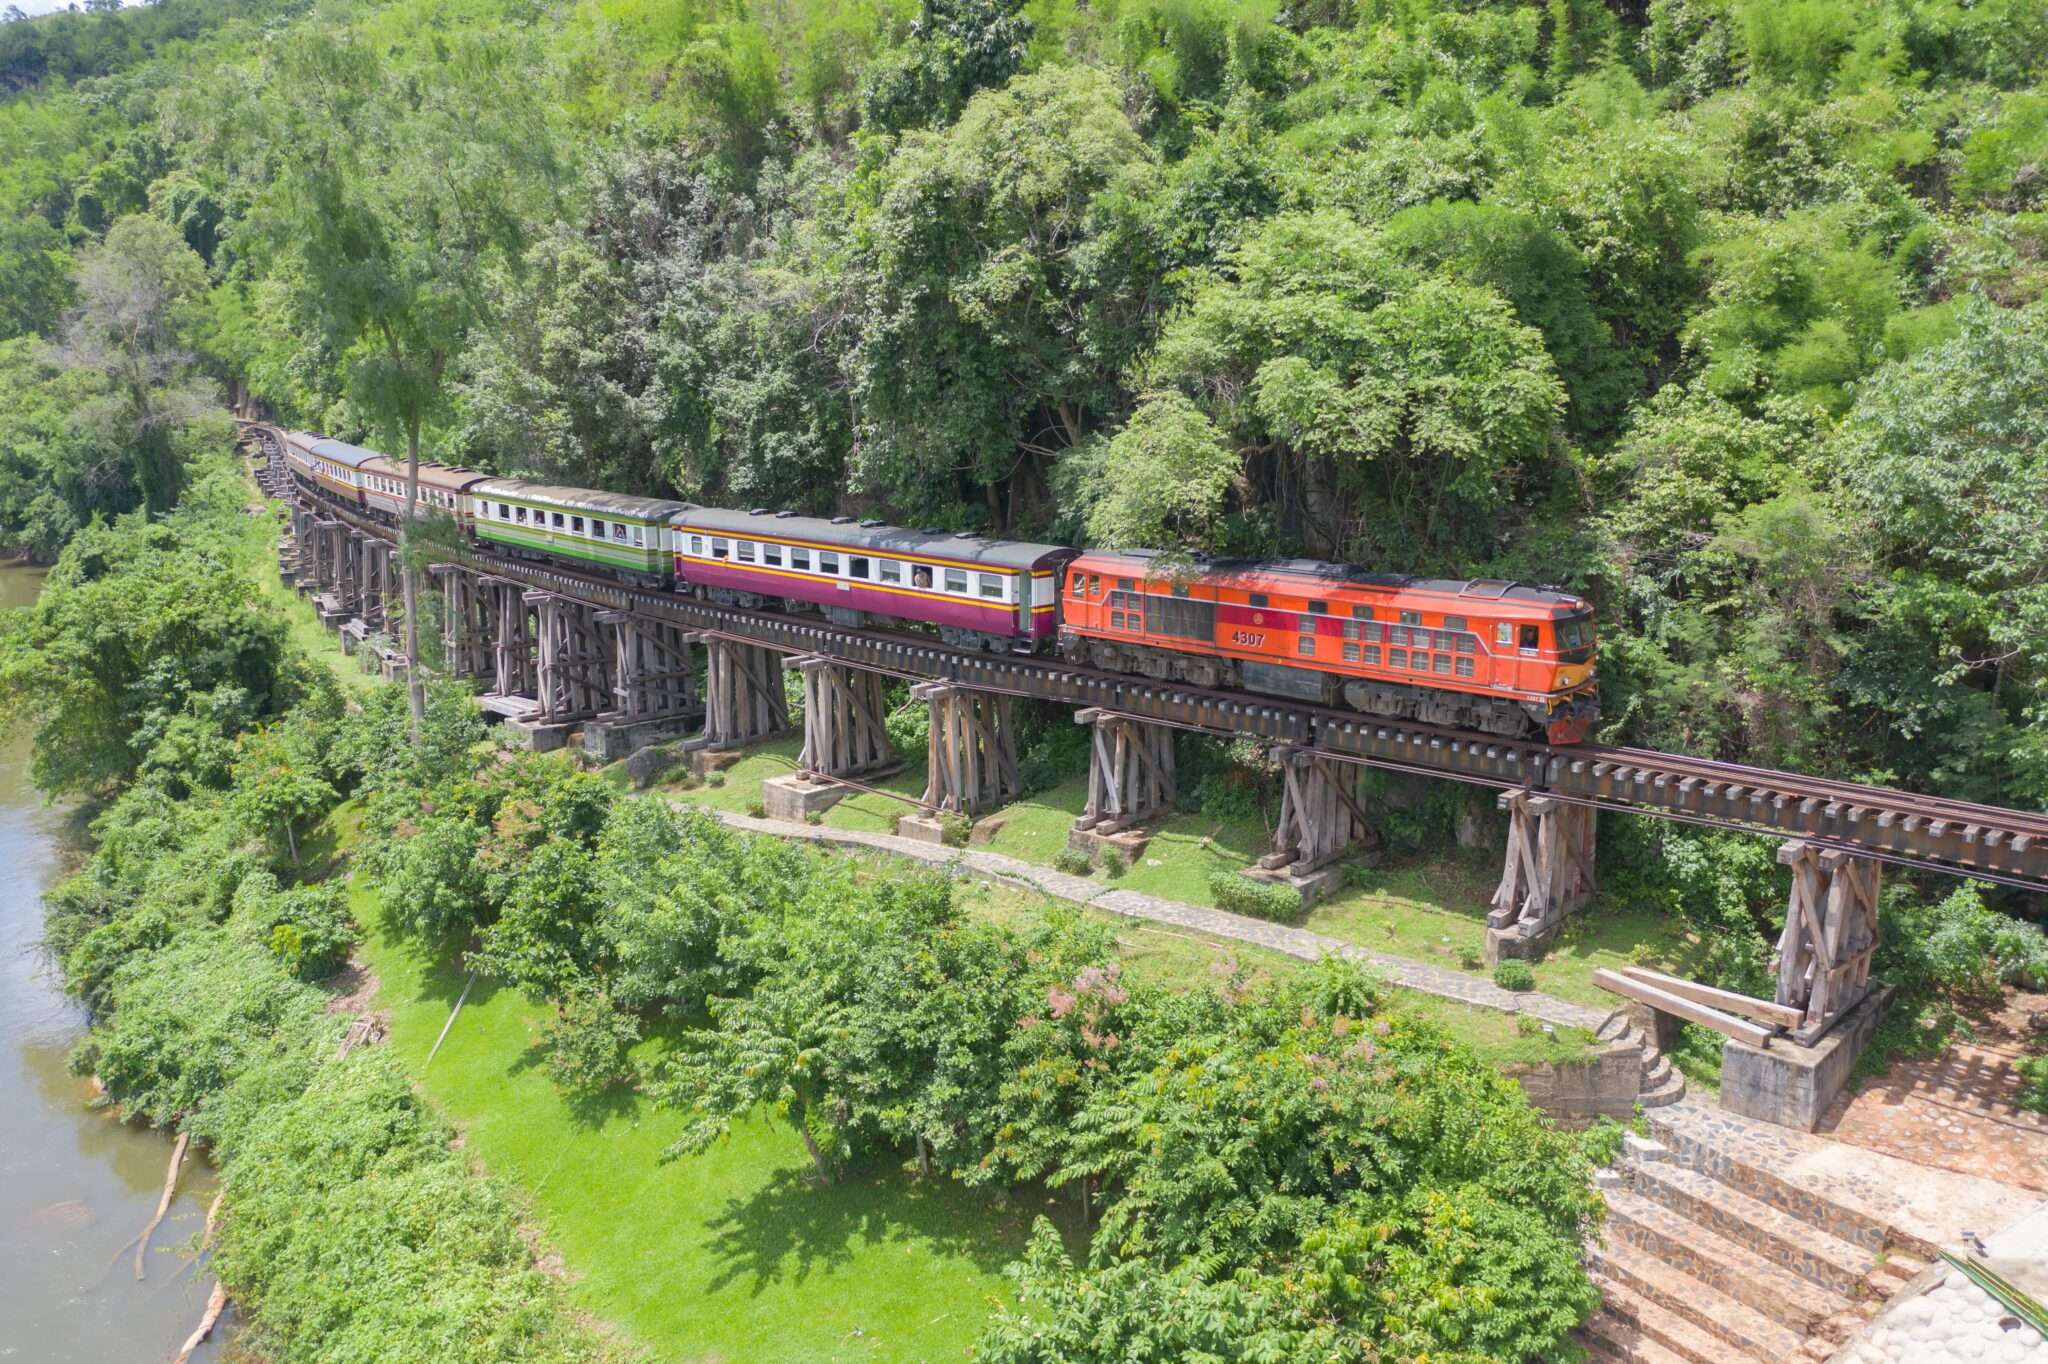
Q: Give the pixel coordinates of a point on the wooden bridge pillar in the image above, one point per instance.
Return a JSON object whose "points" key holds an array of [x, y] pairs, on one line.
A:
{"points": [[574, 666], [1548, 873], [845, 735], [466, 624], [514, 688], [971, 762], [1831, 929], [654, 692], [1320, 819], [1130, 781], [743, 697]]}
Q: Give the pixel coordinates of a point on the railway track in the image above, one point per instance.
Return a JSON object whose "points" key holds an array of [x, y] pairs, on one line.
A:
{"points": [[1986, 842]]}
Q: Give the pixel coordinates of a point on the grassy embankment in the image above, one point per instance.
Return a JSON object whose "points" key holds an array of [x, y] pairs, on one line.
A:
{"points": [[1432, 910]]}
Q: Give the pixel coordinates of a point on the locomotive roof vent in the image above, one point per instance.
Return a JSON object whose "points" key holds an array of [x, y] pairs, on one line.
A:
{"points": [[757, 511], [784, 514], [870, 523], [966, 535], [842, 520], [931, 530]]}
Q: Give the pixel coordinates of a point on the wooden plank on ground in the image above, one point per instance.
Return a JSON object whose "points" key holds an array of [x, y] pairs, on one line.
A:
{"points": [[1746, 1005], [1728, 1025]]}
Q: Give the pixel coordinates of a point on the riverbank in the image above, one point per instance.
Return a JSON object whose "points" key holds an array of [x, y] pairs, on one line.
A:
{"points": [[75, 1181]]}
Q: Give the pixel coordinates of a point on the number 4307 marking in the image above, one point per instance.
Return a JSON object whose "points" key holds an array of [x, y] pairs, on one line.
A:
{"points": [[1246, 638]]}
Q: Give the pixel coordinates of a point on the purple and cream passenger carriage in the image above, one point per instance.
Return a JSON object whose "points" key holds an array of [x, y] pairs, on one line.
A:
{"points": [[998, 595]]}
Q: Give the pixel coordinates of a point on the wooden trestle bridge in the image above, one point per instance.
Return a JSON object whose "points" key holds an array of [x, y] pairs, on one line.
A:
{"points": [[552, 649]]}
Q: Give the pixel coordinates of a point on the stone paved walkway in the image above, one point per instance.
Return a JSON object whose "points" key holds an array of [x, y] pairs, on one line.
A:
{"points": [[1959, 1110], [1295, 942]]}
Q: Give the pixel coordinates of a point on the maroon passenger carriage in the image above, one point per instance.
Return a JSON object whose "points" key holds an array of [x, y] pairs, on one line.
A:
{"points": [[998, 595]]}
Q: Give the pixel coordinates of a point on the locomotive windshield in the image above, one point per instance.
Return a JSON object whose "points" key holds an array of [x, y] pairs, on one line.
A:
{"points": [[1575, 637]]}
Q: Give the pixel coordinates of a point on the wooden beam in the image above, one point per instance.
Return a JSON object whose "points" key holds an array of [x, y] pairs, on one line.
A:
{"points": [[1728, 1025], [1745, 1005]]}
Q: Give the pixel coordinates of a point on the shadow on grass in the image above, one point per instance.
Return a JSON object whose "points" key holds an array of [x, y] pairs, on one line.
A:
{"points": [[794, 1226], [591, 1112]]}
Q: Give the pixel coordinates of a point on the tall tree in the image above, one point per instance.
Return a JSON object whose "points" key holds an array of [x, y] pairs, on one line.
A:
{"points": [[137, 292], [400, 173]]}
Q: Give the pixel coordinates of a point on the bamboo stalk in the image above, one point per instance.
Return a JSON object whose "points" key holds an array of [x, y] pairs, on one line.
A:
{"points": [[451, 1020]]}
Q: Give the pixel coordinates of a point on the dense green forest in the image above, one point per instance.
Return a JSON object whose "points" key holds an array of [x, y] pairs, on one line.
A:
{"points": [[1724, 312]]}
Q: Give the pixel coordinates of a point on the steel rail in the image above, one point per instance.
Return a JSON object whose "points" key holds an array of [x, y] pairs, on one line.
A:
{"points": [[2006, 846]]}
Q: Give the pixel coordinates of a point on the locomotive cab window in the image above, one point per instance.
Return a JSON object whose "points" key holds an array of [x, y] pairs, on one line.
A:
{"points": [[956, 580], [1503, 633], [1080, 584], [1529, 638]]}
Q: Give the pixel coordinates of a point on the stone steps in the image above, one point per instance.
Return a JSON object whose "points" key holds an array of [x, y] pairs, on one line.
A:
{"points": [[1667, 1092], [1672, 1333], [1764, 1231], [1721, 1264], [1616, 1338], [1743, 1327]]}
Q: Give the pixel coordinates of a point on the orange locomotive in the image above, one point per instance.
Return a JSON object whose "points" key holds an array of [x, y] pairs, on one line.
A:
{"points": [[1490, 655]]}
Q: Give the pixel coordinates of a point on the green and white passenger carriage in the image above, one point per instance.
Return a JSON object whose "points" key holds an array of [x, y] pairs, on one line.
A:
{"points": [[627, 537]]}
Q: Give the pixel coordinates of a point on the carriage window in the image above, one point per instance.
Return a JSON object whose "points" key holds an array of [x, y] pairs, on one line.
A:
{"points": [[557, 520], [505, 513], [1441, 664], [800, 558], [1503, 633], [576, 524], [1443, 639], [640, 535], [697, 544], [1419, 661], [1397, 658], [857, 566], [1464, 665], [828, 563], [1529, 637], [889, 570], [1350, 653], [956, 580], [619, 532], [771, 554], [596, 529], [920, 576], [746, 548], [1468, 644], [522, 515], [1398, 634], [1372, 655], [719, 547], [990, 585]]}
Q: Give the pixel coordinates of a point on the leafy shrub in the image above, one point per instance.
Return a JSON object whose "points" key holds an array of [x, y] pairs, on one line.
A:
{"points": [[758, 809], [2034, 1083], [311, 931], [714, 779], [1072, 861], [1114, 863], [955, 829], [1513, 973], [1259, 899], [1601, 1142], [1471, 958], [815, 817], [588, 1043]]}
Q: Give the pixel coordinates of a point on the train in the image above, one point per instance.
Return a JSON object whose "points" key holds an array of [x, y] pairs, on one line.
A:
{"points": [[1486, 655]]}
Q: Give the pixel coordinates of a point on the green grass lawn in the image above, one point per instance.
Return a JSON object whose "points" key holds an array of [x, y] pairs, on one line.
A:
{"points": [[732, 1255]]}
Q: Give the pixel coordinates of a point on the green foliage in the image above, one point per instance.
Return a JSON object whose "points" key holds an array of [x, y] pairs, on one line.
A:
{"points": [[956, 47], [955, 829], [1512, 973], [1601, 1142], [1238, 894], [588, 1043], [1072, 861], [310, 931]]}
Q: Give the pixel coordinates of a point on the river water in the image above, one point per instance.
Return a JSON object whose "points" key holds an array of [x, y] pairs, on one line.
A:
{"points": [[74, 1184]]}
